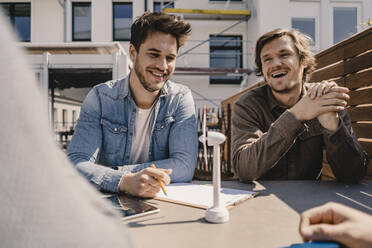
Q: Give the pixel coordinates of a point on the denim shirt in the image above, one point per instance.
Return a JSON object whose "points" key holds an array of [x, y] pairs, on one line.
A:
{"points": [[104, 132]]}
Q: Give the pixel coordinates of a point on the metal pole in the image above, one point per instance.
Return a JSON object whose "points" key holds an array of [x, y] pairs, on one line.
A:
{"points": [[45, 81], [216, 176]]}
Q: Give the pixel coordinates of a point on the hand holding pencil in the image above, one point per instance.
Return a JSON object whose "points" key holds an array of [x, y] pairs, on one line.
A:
{"points": [[160, 182], [145, 183]]}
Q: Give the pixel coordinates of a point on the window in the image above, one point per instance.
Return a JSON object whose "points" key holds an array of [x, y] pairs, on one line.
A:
{"points": [[344, 23], [305, 25], [19, 15], [123, 14], [157, 6], [81, 22], [73, 118], [64, 117], [225, 52]]}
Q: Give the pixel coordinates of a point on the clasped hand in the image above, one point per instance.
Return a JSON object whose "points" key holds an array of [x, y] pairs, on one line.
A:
{"points": [[323, 100]]}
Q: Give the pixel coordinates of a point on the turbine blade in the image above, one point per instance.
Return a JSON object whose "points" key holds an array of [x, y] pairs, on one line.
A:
{"points": [[205, 137]]}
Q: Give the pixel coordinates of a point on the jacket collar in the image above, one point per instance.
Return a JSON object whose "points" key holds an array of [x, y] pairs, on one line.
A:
{"points": [[164, 91], [124, 89]]}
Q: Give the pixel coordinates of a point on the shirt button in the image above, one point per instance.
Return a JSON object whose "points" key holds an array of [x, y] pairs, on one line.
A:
{"points": [[115, 129], [130, 133]]}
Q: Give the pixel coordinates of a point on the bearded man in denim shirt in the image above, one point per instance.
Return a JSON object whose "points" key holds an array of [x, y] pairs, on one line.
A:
{"points": [[128, 124]]}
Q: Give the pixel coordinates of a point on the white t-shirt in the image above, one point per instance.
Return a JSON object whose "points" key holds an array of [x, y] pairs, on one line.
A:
{"points": [[141, 136]]}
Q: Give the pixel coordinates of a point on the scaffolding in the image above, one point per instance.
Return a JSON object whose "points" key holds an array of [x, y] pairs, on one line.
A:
{"points": [[240, 16], [209, 14]]}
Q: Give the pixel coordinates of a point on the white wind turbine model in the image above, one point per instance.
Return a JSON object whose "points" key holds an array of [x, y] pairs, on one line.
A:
{"points": [[218, 212]]}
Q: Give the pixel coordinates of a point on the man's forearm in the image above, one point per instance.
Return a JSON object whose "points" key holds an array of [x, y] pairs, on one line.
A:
{"points": [[103, 178]]}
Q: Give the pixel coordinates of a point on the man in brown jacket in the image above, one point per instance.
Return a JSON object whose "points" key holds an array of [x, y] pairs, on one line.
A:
{"points": [[280, 129]]}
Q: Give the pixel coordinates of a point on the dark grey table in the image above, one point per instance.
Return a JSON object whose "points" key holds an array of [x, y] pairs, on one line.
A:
{"points": [[269, 220]]}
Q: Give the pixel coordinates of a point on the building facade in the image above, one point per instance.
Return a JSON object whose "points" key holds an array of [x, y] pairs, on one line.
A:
{"points": [[218, 40], [327, 22]]}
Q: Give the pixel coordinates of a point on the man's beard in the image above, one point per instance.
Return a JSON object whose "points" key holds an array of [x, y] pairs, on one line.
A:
{"points": [[146, 85], [286, 90], [283, 91]]}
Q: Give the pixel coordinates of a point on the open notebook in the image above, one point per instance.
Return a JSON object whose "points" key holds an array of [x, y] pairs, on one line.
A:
{"points": [[201, 196]]}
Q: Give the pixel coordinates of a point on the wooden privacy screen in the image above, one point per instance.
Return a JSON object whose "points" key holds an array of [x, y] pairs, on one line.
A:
{"points": [[349, 63]]}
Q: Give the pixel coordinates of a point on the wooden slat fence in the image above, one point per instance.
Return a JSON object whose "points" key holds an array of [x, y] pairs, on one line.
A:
{"points": [[349, 63]]}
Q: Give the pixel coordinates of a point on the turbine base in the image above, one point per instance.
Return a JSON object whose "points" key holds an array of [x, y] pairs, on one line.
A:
{"points": [[217, 215]]}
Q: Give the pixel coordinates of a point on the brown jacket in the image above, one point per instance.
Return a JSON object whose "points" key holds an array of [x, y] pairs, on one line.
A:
{"points": [[268, 142]]}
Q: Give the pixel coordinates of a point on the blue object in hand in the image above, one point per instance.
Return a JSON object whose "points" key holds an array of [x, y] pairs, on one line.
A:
{"points": [[315, 245]]}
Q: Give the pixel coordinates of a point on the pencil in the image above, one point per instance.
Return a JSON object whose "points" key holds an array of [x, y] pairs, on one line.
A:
{"points": [[160, 183]]}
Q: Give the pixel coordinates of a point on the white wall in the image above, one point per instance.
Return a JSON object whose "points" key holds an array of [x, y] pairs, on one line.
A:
{"points": [[367, 10], [46, 21], [270, 14], [101, 21]]}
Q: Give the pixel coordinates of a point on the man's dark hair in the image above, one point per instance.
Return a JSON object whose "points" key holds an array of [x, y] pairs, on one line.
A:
{"points": [[149, 23], [300, 41]]}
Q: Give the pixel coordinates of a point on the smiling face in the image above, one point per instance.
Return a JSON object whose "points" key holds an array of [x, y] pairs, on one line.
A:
{"points": [[155, 61], [281, 65]]}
